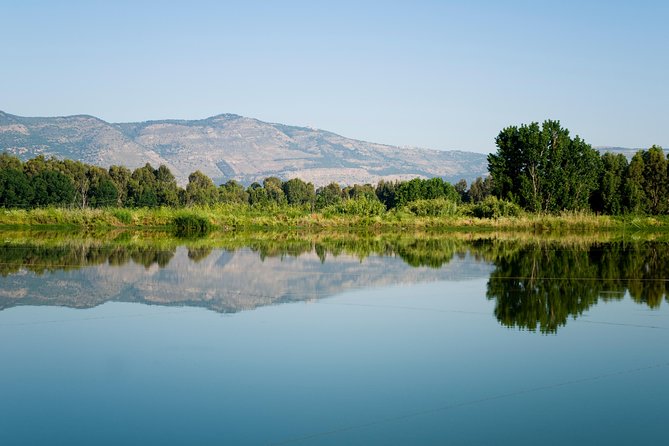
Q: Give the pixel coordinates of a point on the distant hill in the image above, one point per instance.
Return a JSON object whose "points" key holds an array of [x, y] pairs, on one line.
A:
{"points": [[627, 151], [231, 147]]}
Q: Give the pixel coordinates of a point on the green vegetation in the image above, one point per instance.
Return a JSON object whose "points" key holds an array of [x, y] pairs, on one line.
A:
{"points": [[361, 214], [538, 281], [540, 179], [543, 170], [191, 225]]}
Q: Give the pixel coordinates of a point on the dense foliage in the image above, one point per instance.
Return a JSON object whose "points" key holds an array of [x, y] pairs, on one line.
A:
{"points": [[542, 169], [41, 182], [521, 285], [537, 168]]}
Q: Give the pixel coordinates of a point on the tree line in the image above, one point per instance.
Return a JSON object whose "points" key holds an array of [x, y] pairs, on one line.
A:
{"points": [[538, 168], [543, 169], [42, 181]]}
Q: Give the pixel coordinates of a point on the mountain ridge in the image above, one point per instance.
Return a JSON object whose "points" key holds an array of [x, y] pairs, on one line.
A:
{"points": [[230, 146]]}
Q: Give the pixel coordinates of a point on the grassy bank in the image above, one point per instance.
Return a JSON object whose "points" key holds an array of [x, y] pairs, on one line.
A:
{"points": [[246, 218]]}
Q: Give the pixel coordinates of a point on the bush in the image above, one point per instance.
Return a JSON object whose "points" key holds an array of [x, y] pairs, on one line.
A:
{"points": [[190, 225], [122, 215], [437, 207], [362, 206], [493, 207]]}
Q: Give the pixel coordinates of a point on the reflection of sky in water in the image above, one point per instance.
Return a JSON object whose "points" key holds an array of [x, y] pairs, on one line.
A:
{"points": [[405, 364]]}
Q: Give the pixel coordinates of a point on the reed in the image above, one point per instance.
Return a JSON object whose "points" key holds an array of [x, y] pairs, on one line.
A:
{"points": [[230, 217]]}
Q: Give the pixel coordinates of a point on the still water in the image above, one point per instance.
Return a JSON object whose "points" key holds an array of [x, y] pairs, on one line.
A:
{"points": [[431, 341]]}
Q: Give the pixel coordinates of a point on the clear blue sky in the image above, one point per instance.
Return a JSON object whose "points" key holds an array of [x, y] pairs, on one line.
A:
{"points": [[438, 74]]}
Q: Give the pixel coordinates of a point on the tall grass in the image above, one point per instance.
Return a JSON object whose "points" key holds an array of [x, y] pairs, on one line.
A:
{"points": [[229, 217]]}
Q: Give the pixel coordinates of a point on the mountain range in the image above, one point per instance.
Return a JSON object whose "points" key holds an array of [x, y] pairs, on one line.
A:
{"points": [[229, 146]]}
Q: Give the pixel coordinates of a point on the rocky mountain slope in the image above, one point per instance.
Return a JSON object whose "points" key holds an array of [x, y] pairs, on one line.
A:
{"points": [[231, 147]]}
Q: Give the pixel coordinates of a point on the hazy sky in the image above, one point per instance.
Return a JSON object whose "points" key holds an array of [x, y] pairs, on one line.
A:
{"points": [[437, 74]]}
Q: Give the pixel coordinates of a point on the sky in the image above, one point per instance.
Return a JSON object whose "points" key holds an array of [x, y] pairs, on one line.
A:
{"points": [[435, 74]]}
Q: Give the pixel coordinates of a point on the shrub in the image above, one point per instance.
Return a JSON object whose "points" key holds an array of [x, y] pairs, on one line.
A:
{"points": [[493, 207], [362, 206], [190, 225], [437, 207], [122, 215]]}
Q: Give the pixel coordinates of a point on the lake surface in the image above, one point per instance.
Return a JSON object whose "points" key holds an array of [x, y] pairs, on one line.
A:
{"points": [[333, 341]]}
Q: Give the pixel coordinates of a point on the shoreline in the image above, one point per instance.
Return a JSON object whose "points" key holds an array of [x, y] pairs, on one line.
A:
{"points": [[229, 218]]}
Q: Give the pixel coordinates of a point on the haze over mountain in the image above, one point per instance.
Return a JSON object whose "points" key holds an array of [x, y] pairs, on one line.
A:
{"points": [[231, 147], [627, 151]]}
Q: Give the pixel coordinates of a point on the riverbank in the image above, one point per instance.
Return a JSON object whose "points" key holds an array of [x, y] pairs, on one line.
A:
{"points": [[246, 218]]}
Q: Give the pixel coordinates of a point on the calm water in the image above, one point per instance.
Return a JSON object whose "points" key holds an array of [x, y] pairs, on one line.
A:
{"points": [[334, 342]]}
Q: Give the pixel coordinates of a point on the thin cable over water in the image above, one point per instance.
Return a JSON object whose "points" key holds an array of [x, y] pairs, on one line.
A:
{"points": [[474, 402]]}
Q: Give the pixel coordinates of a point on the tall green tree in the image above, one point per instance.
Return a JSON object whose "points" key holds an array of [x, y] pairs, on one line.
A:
{"points": [[78, 172], [386, 193], [143, 187], [542, 168], [609, 197], [480, 189], [655, 180], [232, 192], [167, 191], [15, 189], [635, 197], [102, 190], [298, 192], [356, 191], [328, 195], [461, 189], [200, 190], [274, 191], [52, 188], [120, 175]]}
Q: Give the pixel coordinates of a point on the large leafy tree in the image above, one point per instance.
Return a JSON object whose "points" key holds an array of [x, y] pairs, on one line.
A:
{"points": [[299, 192], [200, 190], [167, 190], [480, 189], [655, 179], [79, 173], [634, 195], [120, 175], [232, 192], [15, 189], [257, 195], [102, 190], [274, 191], [608, 198], [542, 168], [143, 187], [385, 191], [328, 195], [52, 188]]}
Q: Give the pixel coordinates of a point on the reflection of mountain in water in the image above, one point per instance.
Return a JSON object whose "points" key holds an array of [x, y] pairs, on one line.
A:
{"points": [[220, 280], [535, 284]]}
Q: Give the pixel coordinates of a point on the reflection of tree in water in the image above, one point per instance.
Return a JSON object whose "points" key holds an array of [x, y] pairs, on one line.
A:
{"points": [[541, 285], [536, 285], [431, 252], [148, 256], [198, 254], [40, 259], [648, 274]]}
